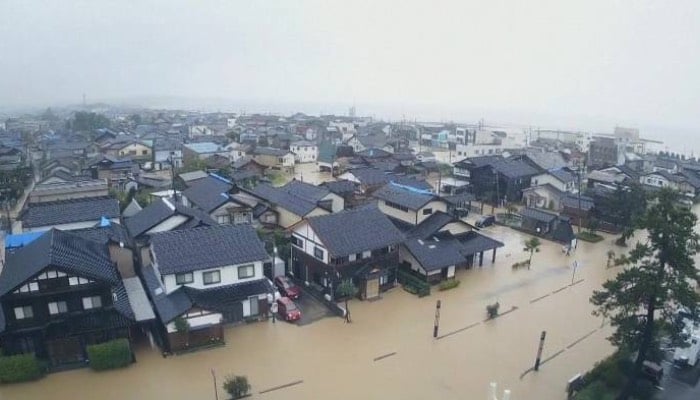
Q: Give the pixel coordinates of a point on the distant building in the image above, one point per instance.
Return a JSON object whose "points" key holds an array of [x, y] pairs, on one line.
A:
{"points": [[202, 151], [605, 152], [304, 151]]}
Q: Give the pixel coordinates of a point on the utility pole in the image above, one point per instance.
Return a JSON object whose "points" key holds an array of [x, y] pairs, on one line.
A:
{"points": [[216, 391], [539, 351], [436, 325], [580, 217]]}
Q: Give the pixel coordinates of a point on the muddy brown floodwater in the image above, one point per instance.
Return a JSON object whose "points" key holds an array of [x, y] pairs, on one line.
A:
{"points": [[388, 352]]}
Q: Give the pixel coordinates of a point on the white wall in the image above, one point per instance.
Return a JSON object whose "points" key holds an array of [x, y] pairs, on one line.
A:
{"points": [[67, 227], [169, 224], [546, 178], [310, 240], [338, 202], [413, 217], [229, 276], [304, 153]]}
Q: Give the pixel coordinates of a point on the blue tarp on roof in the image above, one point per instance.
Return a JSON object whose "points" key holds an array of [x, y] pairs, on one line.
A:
{"points": [[21, 239]]}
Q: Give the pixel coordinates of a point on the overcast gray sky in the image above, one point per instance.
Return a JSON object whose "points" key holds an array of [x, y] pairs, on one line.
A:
{"points": [[633, 62]]}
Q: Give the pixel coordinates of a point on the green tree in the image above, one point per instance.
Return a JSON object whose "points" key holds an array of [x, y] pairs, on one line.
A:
{"points": [[532, 246], [642, 300], [622, 208], [87, 121], [347, 289], [237, 386]]}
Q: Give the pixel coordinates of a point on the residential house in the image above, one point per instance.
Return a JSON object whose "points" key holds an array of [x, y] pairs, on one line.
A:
{"points": [[304, 151], [202, 151], [54, 189], [295, 201], [163, 215], [187, 179], [547, 224], [369, 179], [133, 149], [59, 294], [359, 244], [503, 179], [207, 276], [687, 184], [10, 157], [68, 214], [563, 179], [274, 158], [212, 195], [117, 171], [408, 204]]}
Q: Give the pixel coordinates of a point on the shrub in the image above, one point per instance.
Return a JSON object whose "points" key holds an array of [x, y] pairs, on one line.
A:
{"points": [[237, 386], [109, 355], [521, 264], [590, 237], [449, 284], [20, 368]]}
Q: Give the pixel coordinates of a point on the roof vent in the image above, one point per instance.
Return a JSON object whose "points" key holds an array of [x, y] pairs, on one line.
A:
{"points": [[421, 242]]}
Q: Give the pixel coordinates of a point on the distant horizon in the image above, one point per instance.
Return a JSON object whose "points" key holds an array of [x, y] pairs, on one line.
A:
{"points": [[674, 138]]}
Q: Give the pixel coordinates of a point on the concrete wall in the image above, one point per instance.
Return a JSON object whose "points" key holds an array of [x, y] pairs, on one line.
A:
{"points": [[229, 276]]}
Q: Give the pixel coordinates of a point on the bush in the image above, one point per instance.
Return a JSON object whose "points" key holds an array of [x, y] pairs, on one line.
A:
{"points": [[20, 368], [237, 386], [596, 391], [590, 237], [449, 284], [109, 355], [521, 264]]}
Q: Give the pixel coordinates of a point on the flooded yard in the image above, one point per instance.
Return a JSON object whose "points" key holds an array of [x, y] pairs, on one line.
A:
{"points": [[388, 351]]}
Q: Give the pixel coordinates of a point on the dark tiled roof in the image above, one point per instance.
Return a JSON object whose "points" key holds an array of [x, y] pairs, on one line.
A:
{"points": [[353, 231], [341, 187], [474, 242], [563, 175], [411, 181], [224, 298], [538, 215], [431, 225], [208, 193], [514, 168], [435, 254], [104, 234], [571, 201], [70, 253], [370, 176], [411, 198], [545, 161], [159, 211], [374, 152], [478, 162], [69, 211], [168, 306], [206, 247], [284, 199], [306, 191]]}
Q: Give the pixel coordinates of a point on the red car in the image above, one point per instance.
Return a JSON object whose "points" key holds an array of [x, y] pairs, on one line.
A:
{"points": [[287, 287], [287, 310]]}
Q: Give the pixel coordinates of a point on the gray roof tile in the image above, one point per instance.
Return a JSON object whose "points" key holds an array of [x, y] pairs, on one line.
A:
{"points": [[69, 211], [353, 231], [207, 247]]}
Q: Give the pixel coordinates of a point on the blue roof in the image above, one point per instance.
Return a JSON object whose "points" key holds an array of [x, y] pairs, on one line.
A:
{"points": [[21, 239]]}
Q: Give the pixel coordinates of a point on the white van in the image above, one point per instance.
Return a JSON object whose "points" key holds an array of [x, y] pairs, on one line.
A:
{"points": [[688, 356]]}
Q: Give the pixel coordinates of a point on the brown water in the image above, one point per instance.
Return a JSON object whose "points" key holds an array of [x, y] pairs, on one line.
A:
{"points": [[337, 360]]}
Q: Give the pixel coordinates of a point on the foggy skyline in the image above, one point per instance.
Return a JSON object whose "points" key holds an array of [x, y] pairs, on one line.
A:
{"points": [[585, 64]]}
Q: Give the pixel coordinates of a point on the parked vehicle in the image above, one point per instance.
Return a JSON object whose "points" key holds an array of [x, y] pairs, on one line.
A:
{"points": [[688, 356], [652, 371], [486, 220], [287, 310], [287, 287]]}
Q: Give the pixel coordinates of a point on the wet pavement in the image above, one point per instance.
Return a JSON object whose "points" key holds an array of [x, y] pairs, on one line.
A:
{"points": [[388, 351]]}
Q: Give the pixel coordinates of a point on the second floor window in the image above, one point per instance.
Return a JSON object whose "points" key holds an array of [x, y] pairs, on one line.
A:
{"points": [[182, 279], [58, 307], [211, 277], [318, 253], [92, 302], [246, 271], [24, 312]]}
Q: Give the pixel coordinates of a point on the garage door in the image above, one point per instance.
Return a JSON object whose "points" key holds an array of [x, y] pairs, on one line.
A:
{"points": [[372, 288]]}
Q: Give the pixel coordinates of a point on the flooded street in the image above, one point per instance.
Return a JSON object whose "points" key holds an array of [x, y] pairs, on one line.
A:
{"points": [[388, 351]]}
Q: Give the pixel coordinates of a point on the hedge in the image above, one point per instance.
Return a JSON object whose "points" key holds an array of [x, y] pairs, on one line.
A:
{"points": [[449, 284], [20, 368], [110, 355]]}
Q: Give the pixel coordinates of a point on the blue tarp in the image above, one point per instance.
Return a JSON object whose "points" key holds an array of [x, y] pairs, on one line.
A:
{"points": [[21, 239]]}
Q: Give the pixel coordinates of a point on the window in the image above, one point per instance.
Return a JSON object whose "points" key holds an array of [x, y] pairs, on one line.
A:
{"points": [[396, 206], [297, 241], [212, 277], [24, 312], [223, 219], [427, 211], [144, 152], [92, 302], [182, 279], [318, 253], [246, 271], [352, 257], [58, 307], [366, 254]]}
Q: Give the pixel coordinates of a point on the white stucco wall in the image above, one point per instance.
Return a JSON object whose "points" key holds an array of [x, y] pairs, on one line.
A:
{"points": [[229, 276]]}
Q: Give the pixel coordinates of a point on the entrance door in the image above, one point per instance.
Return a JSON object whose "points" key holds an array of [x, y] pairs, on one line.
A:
{"points": [[372, 288], [63, 351]]}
